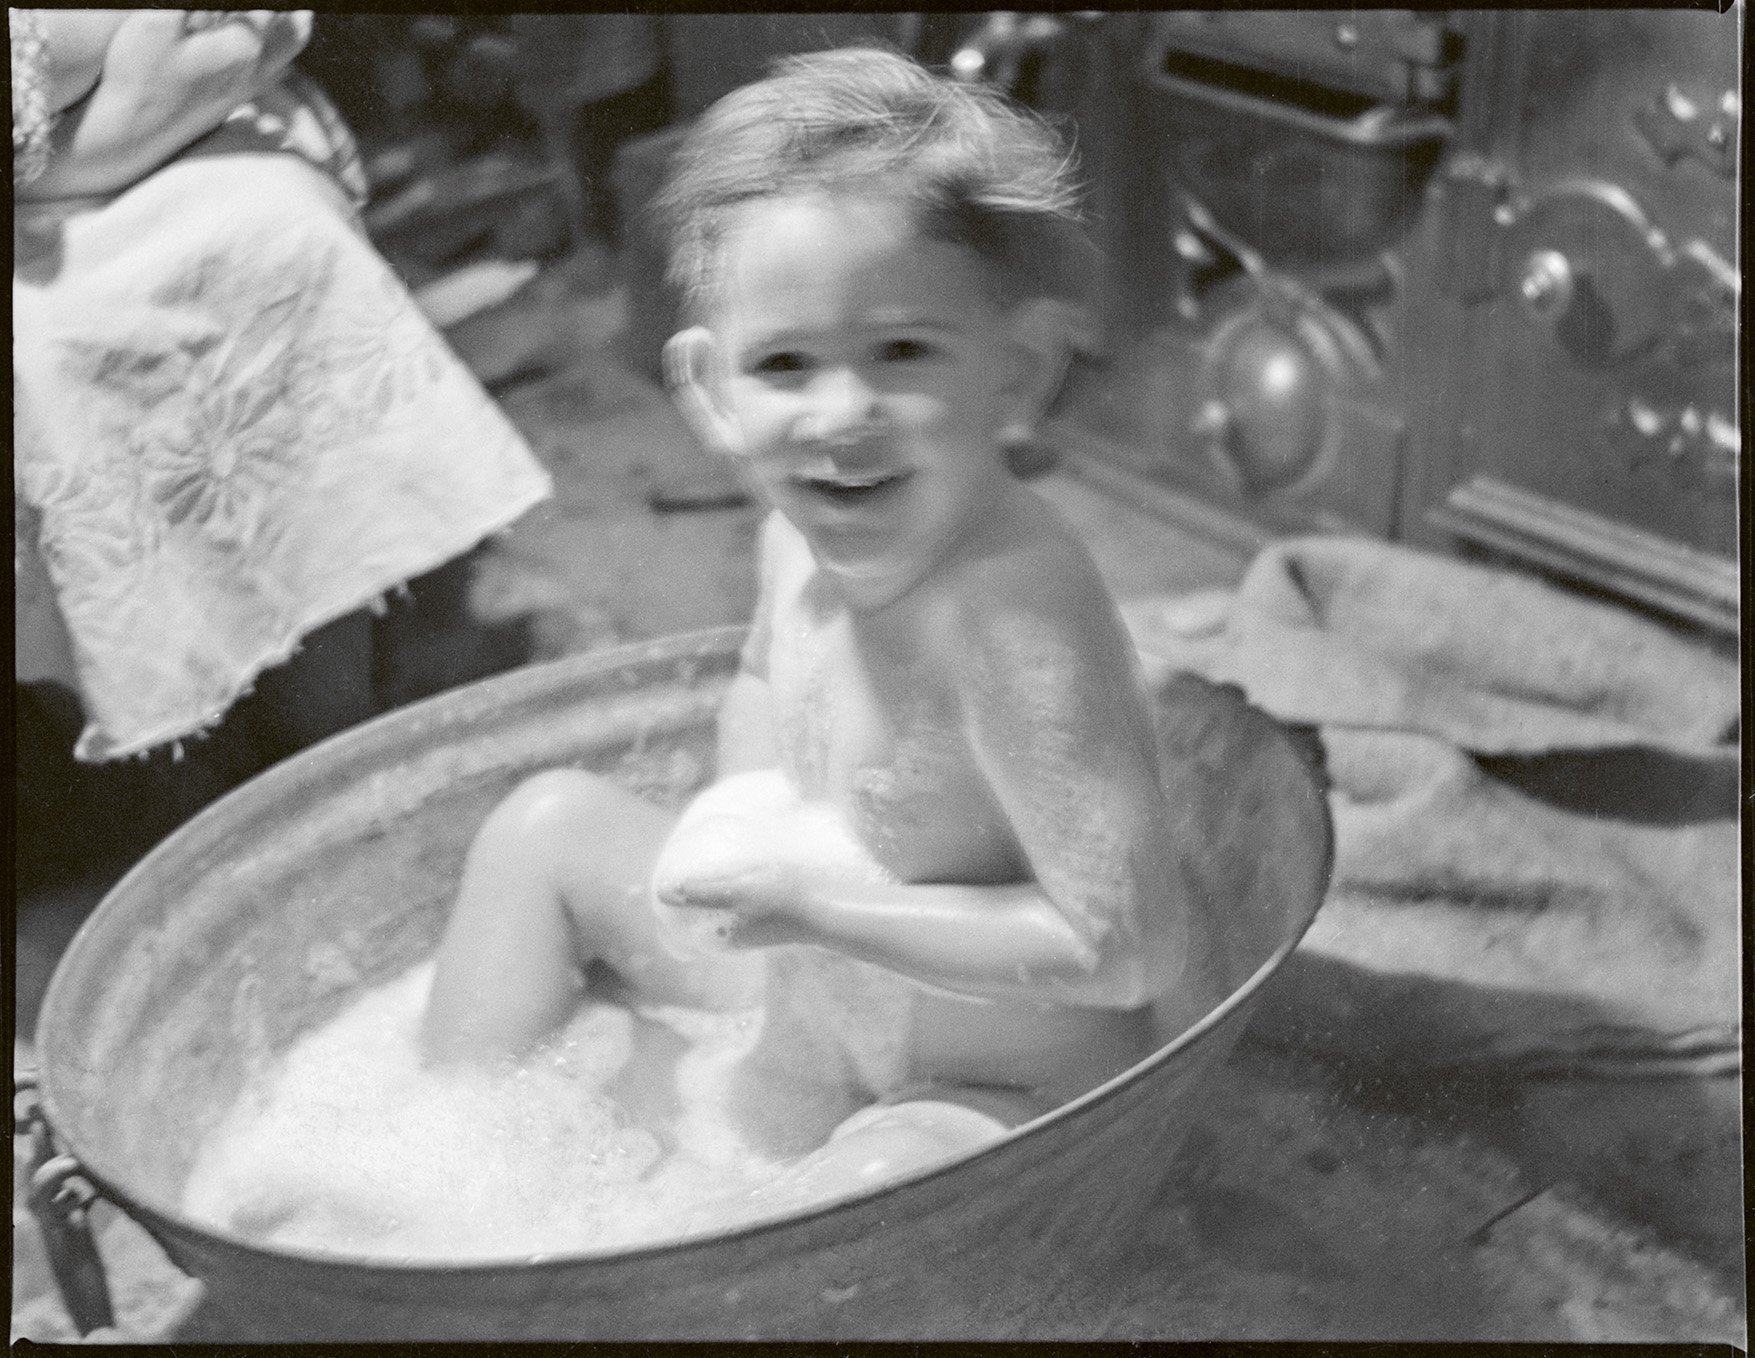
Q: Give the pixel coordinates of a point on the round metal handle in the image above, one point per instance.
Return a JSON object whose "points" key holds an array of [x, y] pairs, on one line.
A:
{"points": [[1586, 263], [59, 1198]]}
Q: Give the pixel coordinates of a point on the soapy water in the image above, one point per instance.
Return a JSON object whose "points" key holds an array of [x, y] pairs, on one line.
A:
{"points": [[349, 1144], [617, 1132]]}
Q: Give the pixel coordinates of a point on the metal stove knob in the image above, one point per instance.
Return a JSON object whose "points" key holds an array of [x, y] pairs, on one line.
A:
{"points": [[1547, 284], [1267, 418]]}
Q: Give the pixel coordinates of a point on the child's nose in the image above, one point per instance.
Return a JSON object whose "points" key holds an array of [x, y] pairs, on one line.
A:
{"points": [[842, 406]]}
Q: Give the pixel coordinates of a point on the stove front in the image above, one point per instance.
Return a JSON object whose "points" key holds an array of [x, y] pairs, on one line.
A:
{"points": [[1461, 279]]}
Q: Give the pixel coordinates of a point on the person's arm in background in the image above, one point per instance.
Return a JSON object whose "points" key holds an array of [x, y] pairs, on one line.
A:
{"points": [[77, 40], [163, 85]]}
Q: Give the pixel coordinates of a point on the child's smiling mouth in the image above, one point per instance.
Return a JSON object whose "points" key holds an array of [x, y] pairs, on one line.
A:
{"points": [[852, 489]]}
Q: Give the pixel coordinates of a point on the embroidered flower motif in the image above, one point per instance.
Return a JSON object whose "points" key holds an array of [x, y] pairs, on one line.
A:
{"points": [[32, 122], [234, 424], [218, 461]]}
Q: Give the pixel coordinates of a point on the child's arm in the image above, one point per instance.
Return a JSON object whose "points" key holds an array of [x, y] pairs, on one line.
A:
{"points": [[1054, 715], [746, 744], [746, 727], [746, 716], [162, 87]]}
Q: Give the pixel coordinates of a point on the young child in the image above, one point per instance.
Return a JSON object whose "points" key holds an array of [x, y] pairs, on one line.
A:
{"points": [[937, 759]]}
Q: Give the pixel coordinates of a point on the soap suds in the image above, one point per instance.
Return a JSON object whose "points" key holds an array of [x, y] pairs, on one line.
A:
{"points": [[349, 1145]]}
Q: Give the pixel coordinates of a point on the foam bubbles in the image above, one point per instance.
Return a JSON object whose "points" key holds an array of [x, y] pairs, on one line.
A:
{"points": [[350, 1146]]}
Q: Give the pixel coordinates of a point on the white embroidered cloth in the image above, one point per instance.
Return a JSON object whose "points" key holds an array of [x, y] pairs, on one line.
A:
{"points": [[232, 425]]}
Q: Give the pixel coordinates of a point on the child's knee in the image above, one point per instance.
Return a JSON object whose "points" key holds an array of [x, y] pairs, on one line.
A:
{"points": [[528, 834], [553, 802]]}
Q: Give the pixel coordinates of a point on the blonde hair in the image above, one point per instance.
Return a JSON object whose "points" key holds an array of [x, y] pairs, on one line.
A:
{"points": [[975, 168]]}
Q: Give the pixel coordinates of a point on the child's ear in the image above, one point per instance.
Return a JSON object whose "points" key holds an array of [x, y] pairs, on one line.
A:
{"points": [[689, 358], [1042, 331]]}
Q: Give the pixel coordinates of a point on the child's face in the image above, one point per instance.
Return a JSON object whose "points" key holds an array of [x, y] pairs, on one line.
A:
{"points": [[864, 375]]}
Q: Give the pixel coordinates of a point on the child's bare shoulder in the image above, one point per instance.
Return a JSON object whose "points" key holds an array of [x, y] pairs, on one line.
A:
{"points": [[1034, 593], [1035, 562]]}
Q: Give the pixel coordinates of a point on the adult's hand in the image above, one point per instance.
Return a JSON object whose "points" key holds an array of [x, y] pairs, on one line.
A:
{"points": [[164, 85], [76, 41], [166, 71]]}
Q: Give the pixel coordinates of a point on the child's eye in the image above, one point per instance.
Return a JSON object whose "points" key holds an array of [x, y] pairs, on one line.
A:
{"points": [[780, 364], [905, 351]]}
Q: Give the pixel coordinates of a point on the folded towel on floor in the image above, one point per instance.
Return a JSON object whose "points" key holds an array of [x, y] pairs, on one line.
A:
{"points": [[1534, 798]]}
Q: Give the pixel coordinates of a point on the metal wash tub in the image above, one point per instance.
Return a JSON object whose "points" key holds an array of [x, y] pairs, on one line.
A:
{"points": [[334, 870]]}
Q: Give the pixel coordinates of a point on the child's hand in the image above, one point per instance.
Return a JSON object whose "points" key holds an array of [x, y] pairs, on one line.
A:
{"points": [[720, 866], [751, 859], [755, 891], [713, 849]]}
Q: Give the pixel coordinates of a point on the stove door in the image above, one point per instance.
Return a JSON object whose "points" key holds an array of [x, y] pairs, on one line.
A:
{"points": [[1261, 187], [1585, 416]]}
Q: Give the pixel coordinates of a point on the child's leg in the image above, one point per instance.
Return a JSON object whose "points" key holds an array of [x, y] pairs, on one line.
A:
{"points": [[557, 877]]}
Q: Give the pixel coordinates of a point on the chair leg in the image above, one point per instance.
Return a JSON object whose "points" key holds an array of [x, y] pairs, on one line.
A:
{"points": [[324, 689], [576, 199]]}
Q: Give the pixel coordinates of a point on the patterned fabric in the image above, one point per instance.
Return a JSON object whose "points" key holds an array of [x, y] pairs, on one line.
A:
{"points": [[232, 426], [295, 117], [31, 121]]}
